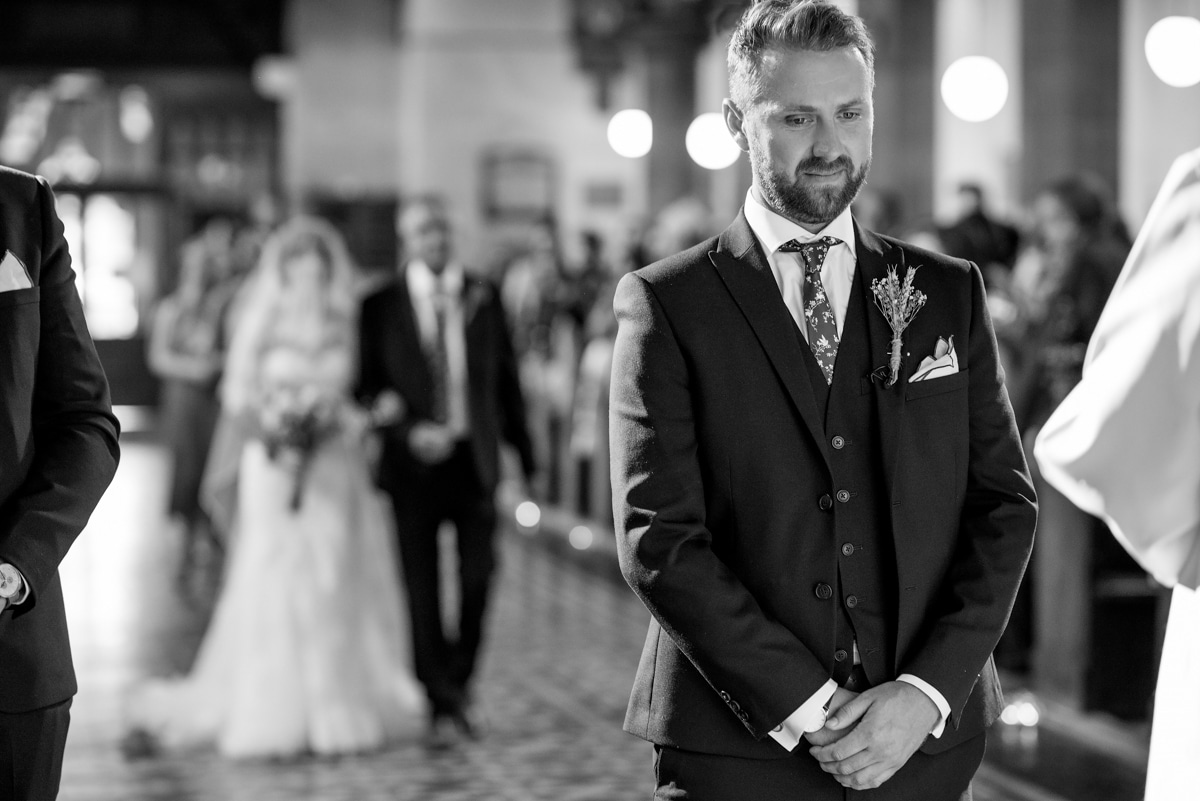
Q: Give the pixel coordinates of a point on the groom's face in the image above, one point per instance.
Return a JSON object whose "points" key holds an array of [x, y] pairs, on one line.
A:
{"points": [[808, 132]]}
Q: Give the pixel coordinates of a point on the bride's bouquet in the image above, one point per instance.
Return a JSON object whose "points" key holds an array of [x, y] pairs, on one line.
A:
{"points": [[294, 421]]}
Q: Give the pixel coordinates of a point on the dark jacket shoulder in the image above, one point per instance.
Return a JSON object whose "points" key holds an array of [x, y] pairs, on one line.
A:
{"points": [[917, 256], [18, 186], [679, 266]]}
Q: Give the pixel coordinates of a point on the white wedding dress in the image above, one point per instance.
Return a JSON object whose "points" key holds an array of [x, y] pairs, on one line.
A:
{"points": [[307, 650]]}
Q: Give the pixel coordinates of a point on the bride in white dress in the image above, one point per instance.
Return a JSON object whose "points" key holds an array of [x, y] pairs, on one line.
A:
{"points": [[307, 648]]}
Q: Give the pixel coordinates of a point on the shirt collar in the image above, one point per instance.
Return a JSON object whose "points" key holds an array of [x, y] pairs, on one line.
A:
{"points": [[422, 280], [773, 230]]}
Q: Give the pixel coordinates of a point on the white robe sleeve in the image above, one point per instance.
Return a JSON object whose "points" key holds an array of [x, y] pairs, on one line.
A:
{"points": [[1125, 444]]}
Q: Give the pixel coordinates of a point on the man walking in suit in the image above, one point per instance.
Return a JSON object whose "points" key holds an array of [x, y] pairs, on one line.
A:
{"points": [[58, 452], [438, 338], [819, 489]]}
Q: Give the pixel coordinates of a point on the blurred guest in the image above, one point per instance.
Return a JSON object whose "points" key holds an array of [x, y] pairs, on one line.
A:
{"points": [[437, 337], [306, 652], [530, 287], [1125, 445], [539, 293], [977, 236], [1057, 290], [1059, 285], [186, 353], [583, 282], [59, 451]]}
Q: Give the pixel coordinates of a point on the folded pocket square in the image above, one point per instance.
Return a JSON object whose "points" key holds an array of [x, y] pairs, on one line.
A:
{"points": [[13, 274], [944, 361]]}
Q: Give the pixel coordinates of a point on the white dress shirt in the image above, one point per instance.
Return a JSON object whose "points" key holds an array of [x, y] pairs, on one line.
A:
{"points": [[837, 276], [426, 290]]}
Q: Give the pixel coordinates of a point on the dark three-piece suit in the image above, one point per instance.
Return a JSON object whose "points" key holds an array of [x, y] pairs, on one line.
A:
{"points": [[461, 489], [58, 452], [771, 522]]}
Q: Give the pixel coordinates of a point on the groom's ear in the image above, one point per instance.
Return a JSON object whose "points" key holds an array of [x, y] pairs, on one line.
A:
{"points": [[735, 121]]}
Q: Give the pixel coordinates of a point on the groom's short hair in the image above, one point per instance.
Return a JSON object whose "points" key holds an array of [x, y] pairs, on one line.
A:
{"points": [[790, 24]]}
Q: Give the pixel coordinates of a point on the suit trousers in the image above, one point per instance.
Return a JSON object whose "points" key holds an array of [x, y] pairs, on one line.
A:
{"points": [[690, 776], [31, 752], [450, 491]]}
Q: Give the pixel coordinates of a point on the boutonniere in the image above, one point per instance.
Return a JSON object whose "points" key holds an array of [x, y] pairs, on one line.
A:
{"points": [[899, 302]]}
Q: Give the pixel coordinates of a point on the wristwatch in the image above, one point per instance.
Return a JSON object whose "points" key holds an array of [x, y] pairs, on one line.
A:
{"points": [[11, 582]]}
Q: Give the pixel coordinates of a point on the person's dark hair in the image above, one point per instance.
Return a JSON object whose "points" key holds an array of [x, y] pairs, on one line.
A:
{"points": [[790, 24], [1089, 201]]}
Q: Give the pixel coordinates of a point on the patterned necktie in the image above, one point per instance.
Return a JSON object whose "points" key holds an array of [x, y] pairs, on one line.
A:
{"points": [[820, 324]]}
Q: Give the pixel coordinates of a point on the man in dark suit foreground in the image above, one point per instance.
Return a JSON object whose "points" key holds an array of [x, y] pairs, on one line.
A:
{"points": [[437, 337], [819, 488], [58, 452]]}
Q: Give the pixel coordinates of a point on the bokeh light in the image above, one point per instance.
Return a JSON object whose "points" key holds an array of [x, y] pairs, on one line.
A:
{"points": [[975, 88], [528, 514], [631, 133], [1173, 50], [580, 538], [709, 143]]}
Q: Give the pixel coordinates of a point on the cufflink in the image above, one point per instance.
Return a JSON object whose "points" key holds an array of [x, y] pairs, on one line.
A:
{"points": [[10, 582]]}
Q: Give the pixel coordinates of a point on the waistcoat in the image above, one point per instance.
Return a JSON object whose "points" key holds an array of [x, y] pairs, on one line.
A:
{"points": [[859, 522]]}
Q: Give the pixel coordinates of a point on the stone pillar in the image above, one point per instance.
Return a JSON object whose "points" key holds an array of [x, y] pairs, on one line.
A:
{"points": [[903, 160], [988, 152], [1071, 50], [1158, 122], [341, 112]]}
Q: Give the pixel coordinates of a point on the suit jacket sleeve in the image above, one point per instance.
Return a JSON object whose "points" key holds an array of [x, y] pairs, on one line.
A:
{"points": [[74, 431], [995, 532], [664, 546]]}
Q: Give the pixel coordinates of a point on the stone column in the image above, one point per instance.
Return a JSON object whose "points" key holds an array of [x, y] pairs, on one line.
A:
{"points": [[1071, 50]]}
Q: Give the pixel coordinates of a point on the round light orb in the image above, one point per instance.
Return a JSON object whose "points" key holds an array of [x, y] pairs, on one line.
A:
{"points": [[1011, 715], [136, 119], [528, 514], [580, 538], [1027, 714], [975, 88], [1173, 50], [631, 133], [709, 143]]}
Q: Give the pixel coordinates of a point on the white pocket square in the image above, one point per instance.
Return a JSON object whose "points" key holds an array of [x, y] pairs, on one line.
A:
{"points": [[944, 361], [13, 274]]}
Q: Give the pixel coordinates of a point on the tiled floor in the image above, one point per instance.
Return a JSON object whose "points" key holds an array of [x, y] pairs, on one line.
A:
{"points": [[563, 646]]}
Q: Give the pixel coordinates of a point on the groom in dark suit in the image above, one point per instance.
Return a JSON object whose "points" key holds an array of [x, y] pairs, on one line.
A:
{"points": [[819, 488], [437, 337], [58, 452]]}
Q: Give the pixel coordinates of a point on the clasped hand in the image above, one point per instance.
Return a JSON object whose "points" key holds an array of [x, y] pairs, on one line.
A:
{"points": [[870, 736]]}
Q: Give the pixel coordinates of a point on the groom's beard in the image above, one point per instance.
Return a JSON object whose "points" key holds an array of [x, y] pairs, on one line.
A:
{"points": [[789, 196]]}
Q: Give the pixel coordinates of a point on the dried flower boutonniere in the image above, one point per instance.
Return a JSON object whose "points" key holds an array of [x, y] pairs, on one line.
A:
{"points": [[899, 302]]}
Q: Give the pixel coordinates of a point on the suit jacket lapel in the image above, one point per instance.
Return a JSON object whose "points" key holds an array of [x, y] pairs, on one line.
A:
{"points": [[874, 256], [743, 267]]}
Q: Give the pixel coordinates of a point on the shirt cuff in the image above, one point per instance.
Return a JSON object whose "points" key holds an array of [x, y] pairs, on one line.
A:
{"points": [[809, 717], [23, 595], [938, 699]]}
